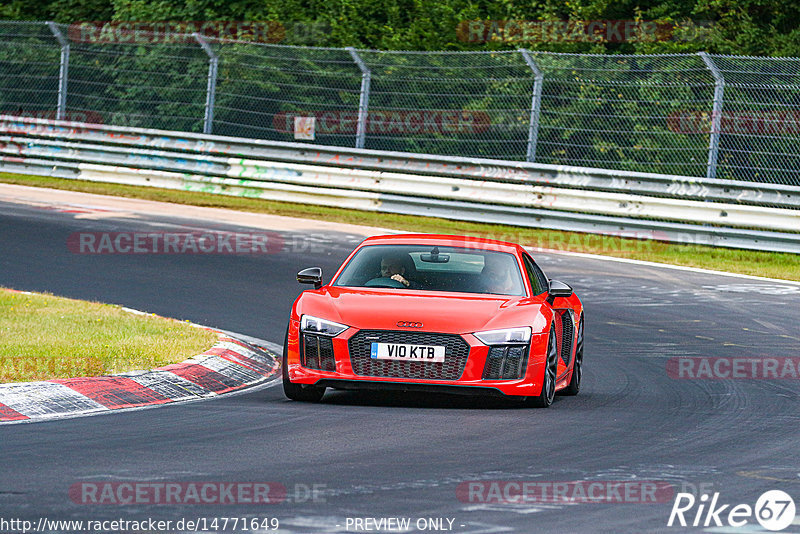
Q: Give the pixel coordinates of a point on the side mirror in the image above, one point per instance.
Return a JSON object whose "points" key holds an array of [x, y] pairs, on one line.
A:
{"points": [[312, 275], [558, 289]]}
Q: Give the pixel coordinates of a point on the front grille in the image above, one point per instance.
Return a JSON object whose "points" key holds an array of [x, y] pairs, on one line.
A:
{"points": [[506, 362], [318, 352], [455, 355], [566, 337]]}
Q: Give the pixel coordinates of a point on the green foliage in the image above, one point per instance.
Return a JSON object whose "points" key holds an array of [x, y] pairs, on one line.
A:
{"points": [[612, 111], [740, 27]]}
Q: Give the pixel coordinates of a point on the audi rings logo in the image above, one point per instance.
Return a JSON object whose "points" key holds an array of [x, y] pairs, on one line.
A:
{"points": [[408, 324]]}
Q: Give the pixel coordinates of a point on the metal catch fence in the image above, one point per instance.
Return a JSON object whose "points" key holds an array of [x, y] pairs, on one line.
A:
{"points": [[700, 115]]}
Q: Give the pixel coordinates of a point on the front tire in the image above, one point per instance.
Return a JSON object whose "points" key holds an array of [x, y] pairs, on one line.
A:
{"points": [[297, 392], [545, 398], [574, 385]]}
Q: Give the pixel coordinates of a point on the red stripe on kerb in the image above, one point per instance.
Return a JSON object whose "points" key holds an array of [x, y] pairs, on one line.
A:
{"points": [[9, 414], [114, 392], [204, 377]]}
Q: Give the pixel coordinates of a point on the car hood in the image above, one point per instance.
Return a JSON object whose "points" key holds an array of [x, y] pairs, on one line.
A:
{"points": [[458, 313]]}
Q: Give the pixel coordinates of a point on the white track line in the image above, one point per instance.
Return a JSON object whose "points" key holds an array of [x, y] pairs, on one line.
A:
{"points": [[534, 250]]}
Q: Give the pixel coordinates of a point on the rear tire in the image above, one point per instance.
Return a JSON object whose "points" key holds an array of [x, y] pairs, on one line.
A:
{"points": [[574, 385], [297, 392], [545, 398]]}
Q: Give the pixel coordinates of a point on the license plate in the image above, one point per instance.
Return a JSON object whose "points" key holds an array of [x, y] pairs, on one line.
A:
{"points": [[405, 352]]}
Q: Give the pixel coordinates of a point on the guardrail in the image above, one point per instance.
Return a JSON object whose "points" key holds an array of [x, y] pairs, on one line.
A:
{"points": [[668, 208]]}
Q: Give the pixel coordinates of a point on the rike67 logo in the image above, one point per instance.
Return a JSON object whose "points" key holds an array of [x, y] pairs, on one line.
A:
{"points": [[774, 510]]}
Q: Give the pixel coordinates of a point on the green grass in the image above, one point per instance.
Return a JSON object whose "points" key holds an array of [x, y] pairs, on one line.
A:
{"points": [[769, 264], [44, 337]]}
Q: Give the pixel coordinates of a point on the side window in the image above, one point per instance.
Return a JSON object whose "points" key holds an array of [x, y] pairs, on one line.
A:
{"points": [[535, 275]]}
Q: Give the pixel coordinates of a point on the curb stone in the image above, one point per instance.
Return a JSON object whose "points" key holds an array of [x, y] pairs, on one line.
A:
{"points": [[230, 365]]}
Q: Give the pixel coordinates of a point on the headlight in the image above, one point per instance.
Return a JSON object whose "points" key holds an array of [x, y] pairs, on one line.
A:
{"points": [[508, 336], [323, 327]]}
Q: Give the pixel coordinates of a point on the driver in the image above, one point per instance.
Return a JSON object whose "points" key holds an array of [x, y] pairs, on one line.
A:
{"points": [[496, 275], [392, 267]]}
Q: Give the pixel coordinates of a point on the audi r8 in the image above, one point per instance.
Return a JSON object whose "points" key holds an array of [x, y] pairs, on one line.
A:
{"points": [[436, 313]]}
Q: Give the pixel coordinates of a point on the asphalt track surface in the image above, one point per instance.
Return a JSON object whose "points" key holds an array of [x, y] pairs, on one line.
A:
{"points": [[402, 455]]}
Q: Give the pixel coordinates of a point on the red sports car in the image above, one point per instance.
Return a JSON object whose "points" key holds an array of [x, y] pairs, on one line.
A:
{"points": [[435, 313]]}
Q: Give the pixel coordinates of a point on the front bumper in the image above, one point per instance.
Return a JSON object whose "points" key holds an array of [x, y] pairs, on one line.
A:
{"points": [[469, 382]]}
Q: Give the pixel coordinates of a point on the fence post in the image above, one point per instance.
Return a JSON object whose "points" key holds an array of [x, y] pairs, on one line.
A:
{"points": [[716, 115], [63, 71], [363, 100], [536, 105], [211, 88]]}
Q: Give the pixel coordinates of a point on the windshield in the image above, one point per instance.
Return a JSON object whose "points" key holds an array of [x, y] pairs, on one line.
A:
{"points": [[433, 268]]}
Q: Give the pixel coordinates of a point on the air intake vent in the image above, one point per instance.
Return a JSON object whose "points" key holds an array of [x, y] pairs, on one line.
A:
{"points": [[506, 362], [566, 337], [318, 352]]}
